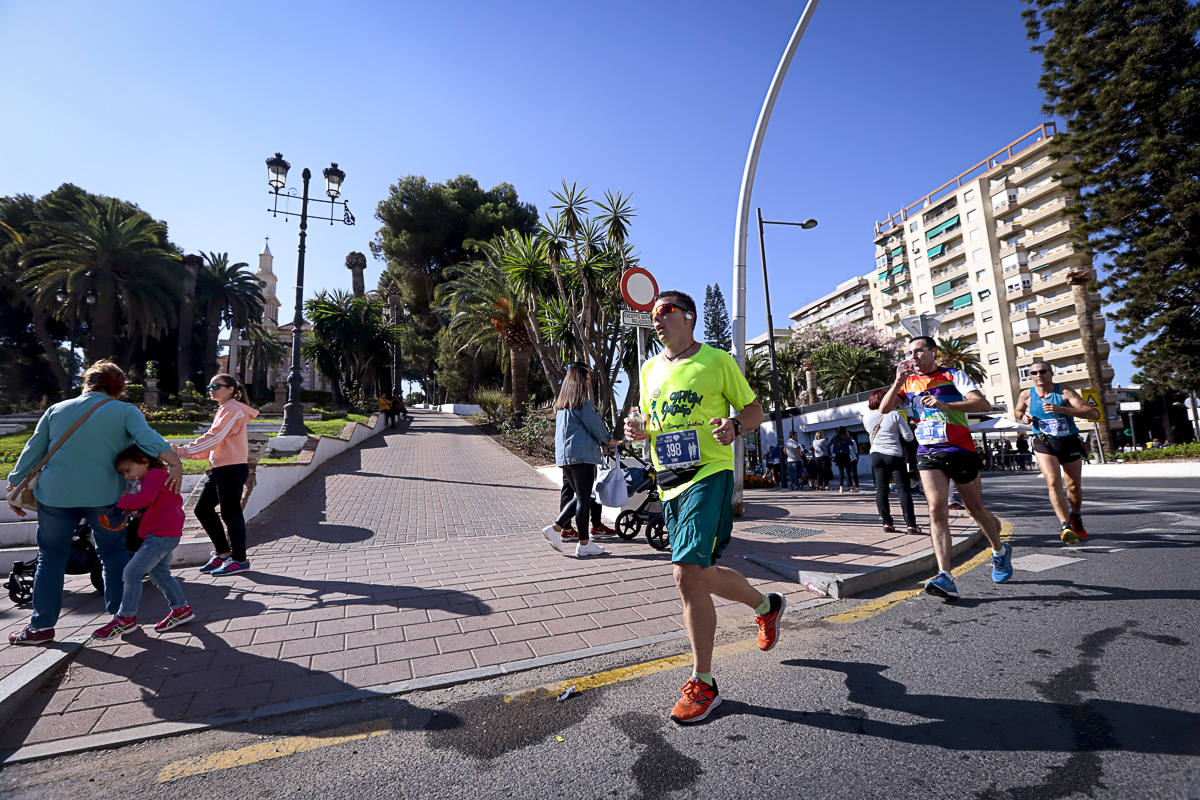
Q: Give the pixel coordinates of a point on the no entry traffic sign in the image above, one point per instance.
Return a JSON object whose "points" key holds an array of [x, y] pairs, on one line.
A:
{"points": [[638, 287]]}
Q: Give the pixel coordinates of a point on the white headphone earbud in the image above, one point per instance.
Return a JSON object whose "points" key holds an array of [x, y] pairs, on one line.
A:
{"points": [[688, 315]]}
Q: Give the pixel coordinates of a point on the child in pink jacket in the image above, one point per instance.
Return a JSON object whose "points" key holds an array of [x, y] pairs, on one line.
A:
{"points": [[226, 445]]}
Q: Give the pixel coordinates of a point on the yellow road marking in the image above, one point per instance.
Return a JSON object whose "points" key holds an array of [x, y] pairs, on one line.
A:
{"points": [[626, 673], [877, 606], [278, 748]]}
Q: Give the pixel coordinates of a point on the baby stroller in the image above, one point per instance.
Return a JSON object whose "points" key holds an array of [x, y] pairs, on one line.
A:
{"points": [[82, 559], [631, 521]]}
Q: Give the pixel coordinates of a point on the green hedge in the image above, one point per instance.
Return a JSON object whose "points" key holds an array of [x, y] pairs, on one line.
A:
{"points": [[1189, 450]]}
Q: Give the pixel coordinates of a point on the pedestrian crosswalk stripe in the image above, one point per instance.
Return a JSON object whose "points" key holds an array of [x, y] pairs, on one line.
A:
{"points": [[276, 748]]}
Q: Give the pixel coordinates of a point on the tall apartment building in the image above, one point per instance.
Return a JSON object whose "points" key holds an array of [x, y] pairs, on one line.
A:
{"points": [[849, 302], [990, 250]]}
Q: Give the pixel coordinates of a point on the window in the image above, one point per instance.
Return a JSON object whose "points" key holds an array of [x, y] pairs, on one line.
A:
{"points": [[976, 234], [981, 274], [993, 358], [984, 294], [912, 226], [881, 261], [977, 255], [990, 336], [922, 280], [924, 298], [971, 215], [968, 195], [1023, 373], [987, 318], [998, 399], [996, 380]]}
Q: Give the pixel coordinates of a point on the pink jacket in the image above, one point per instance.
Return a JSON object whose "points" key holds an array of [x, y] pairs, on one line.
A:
{"points": [[164, 509], [225, 441]]}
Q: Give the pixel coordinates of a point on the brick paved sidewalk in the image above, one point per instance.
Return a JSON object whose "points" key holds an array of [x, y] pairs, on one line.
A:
{"points": [[415, 556]]}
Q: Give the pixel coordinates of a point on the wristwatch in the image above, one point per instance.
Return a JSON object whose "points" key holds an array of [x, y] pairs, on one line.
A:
{"points": [[737, 426]]}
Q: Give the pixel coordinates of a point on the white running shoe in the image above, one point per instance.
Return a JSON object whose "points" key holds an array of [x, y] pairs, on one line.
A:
{"points": [[589, 549]]}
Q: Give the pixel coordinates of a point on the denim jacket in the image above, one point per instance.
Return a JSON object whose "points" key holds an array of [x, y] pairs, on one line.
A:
{"points": [[578, 434]]}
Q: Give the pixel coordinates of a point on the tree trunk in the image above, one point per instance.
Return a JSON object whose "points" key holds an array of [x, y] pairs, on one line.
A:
{"points": [[1079, 280], [103, 338], [211, 334], [51, 351], [187, 319], [810, 378], [519, 358]]}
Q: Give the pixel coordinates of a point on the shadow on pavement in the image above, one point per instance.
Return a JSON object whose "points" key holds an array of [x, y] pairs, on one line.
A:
{"points": [[332, 594]]}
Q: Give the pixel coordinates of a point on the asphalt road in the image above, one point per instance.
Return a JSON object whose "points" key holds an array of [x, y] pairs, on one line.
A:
{"points": [[1076, 680]]}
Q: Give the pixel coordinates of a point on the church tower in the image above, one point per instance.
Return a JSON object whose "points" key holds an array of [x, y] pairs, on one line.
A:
{"points": [[266, 279]]}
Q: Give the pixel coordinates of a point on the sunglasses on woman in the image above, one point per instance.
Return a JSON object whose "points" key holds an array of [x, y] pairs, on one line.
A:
{"points": [[213, 386]]}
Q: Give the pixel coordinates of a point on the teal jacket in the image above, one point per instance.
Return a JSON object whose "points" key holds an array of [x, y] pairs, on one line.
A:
{"points": [[82, 474]]}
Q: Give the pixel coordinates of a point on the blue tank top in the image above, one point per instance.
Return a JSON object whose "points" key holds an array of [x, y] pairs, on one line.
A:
{"points": [[1053, 425]]}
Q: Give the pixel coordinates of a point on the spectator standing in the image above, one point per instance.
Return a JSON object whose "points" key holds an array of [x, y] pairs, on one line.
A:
{"points": [[840, 450], [795, 460], [854, 463], [824, 462], [387, 408], [78, 483], [226, 445], [579, 434], [889, 431]]}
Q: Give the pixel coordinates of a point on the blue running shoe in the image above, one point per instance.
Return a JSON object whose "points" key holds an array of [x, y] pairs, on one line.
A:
{"points": [[1002, 564], [942, 585]]}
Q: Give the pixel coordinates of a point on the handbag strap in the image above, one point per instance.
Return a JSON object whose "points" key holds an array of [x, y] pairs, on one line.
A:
{"points": [[875, 432], [66, 436]]}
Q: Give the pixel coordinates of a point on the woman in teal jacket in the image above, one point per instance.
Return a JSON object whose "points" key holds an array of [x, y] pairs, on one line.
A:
{"points": [[80, 483]]}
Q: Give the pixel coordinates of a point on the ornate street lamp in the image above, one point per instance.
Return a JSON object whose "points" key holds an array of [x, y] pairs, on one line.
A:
{"points": [[277, 170], [393, 301]]}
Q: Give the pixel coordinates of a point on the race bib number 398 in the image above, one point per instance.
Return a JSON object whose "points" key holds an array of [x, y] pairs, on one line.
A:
{"points": [[676, 449]]}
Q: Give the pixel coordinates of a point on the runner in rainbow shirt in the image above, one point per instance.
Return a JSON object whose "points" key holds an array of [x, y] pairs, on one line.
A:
{"points": [[941, 398], [1052, 410]]}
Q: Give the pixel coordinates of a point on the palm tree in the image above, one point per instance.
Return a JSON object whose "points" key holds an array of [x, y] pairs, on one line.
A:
{"points": [[618, 211], [229, 294], [113, 265], [758, 375], [350, 339], [957, 354], [265, 353], [843, 370], [483, 307]]}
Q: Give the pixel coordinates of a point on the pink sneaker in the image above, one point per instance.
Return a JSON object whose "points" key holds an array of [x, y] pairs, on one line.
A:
{"points": [[118, 626], [175, 619]]}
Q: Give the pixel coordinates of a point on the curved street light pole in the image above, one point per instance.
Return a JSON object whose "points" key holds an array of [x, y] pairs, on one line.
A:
{"points": [[739, 234]]}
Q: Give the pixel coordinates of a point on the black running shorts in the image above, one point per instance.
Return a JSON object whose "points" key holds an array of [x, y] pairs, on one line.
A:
{"points": [[1066, 449], [959, 465]]}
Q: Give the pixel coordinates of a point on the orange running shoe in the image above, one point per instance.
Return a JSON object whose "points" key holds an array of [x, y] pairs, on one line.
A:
{"points": [[1077, 526], [768, 623], [697, 702], [1067, 535]]}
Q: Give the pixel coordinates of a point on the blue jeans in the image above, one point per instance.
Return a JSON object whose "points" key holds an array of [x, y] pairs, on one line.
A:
{"points": [[55, 526], [793, 474], [153, 558]]}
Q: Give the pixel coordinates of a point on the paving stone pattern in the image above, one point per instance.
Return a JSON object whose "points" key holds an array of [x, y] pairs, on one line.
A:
{"points": [[418, 554]]}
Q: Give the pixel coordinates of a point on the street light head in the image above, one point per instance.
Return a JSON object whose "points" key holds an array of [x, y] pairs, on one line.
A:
{"points": [[277, 170], [808, 224], [333, 180], [60, 295]]}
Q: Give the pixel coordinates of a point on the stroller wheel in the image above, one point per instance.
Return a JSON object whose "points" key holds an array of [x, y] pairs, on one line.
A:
{"points": [[97, 576], [18, 591], [628, 525], [656, 535]]}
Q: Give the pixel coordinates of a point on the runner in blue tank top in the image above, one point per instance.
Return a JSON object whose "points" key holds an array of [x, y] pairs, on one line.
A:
{"points": [[1052, 410]]}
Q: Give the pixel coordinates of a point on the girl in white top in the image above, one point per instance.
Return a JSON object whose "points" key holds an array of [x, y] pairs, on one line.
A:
{"points": [[888, 430]]}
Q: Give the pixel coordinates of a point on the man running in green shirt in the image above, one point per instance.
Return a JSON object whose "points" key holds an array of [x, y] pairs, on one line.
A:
{"points": [[687, 391]]}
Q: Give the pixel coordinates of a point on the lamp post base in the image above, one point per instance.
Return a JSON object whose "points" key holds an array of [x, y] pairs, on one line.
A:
{"points": [[293, 420]]}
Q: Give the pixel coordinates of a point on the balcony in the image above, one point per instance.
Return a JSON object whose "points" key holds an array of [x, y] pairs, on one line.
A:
{"points": [[1036, 168], [1106, 372], [1028, 196], [1057, 352], [958, 313], [1018, 290], [1060, 228], [1030, 217], [1011, 248], [1050, 305], [939, 213], [1027, 336], [947, 251], [1047, 279], [946, 235], [1003, 229], [1003, 201], [1043, 260]]}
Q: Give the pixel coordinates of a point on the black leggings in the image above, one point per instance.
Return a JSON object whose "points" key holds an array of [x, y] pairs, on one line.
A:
{"points": [[569, 505], [224, 487], [884, 468], [580, 477]]}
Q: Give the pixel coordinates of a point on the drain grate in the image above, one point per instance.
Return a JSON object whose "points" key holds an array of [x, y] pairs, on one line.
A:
{"points": [[785, 531]]}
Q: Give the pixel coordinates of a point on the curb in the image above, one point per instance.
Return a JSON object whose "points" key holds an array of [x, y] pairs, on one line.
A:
{"points": [[21, 684], [158, 730], [842, 585]]}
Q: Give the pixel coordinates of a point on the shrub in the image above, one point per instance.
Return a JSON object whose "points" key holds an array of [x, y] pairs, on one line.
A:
{"points": [[532, 435], [1189, 450], [176, 415], [134, 393], [496, 405], [313, 396], [414, 398]]}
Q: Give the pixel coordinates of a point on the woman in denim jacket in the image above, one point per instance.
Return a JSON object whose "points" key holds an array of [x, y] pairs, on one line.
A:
{"points": [[579, 434]]}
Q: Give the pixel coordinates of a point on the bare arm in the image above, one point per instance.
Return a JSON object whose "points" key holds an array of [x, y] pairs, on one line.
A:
{"points": [[892, 399], [975, 403], [1020, 413], [749, 417]]}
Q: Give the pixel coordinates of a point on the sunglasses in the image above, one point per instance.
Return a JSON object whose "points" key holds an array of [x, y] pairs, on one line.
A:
{"points": [[1039, 372], [667, 308], [213, 386]]}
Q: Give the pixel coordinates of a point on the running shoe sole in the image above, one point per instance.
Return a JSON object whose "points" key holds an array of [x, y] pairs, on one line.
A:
{"points": [[707, 713], [937, 591]]}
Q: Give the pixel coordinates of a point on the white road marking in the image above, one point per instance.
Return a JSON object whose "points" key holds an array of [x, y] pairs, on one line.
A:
{"points": [[1039, 562]]}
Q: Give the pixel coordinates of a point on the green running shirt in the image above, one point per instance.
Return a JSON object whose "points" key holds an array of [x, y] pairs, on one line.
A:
{"points": [[679, 400]]}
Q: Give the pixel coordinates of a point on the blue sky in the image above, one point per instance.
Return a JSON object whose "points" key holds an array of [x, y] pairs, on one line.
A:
{"points": [[176, 106]]}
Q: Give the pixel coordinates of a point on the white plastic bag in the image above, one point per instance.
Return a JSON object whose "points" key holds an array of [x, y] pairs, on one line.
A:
{"points": [[610, 487]]}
